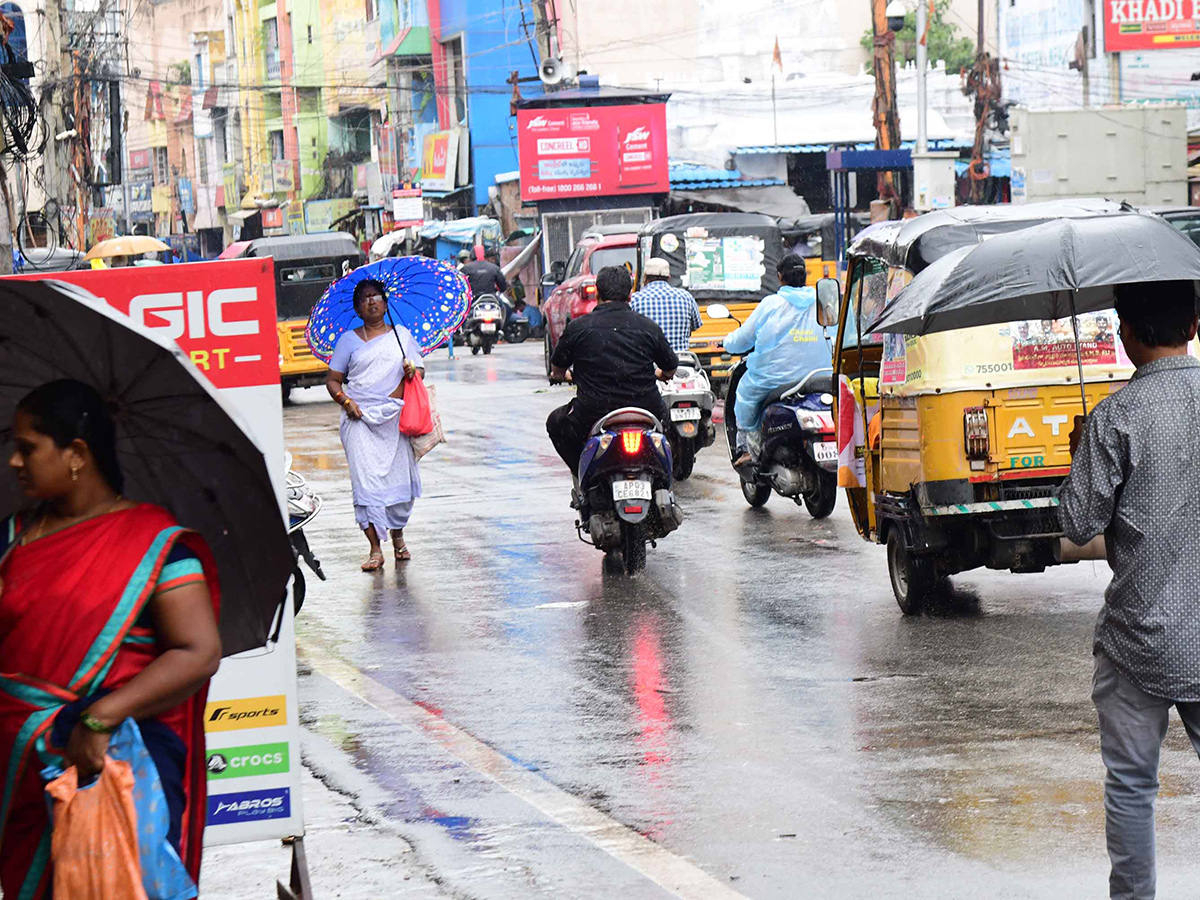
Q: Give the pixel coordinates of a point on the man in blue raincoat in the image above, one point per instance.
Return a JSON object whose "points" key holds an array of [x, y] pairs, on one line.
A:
{"points": [[788, 345]]}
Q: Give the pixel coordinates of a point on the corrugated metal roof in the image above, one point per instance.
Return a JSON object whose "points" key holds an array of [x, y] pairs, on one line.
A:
{"points": [[694, 176], [705, 185], [946, 144]]}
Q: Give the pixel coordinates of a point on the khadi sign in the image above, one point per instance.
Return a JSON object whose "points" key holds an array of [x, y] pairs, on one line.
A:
{"points": [[1151, 24], [593, 151]]}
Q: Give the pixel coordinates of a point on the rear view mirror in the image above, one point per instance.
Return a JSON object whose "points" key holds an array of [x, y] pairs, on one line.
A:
{"points": [[558, 271], [829, 298], [718, 311]]}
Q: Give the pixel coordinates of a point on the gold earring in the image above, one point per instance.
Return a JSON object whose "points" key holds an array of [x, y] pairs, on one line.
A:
{"points": [[74, 474]]}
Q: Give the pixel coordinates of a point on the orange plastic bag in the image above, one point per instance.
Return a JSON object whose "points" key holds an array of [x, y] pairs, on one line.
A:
{"points": [[94, 847]]}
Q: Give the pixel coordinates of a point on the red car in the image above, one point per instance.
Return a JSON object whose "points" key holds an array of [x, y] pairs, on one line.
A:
{"points": [[575, 294]]}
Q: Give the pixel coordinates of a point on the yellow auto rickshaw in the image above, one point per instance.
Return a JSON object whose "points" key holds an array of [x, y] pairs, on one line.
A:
{"points": [[727, 258], [305, 265], [952, 445]]}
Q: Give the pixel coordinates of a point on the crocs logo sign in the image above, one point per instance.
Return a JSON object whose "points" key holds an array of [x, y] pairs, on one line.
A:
{"points": [[242, 762], [176, 313]]}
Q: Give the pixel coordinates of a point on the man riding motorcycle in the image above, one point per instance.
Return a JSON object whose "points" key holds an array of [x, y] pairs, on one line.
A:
{"points": [[788, 345], [673, 309], [485, 277], [613, 353]]}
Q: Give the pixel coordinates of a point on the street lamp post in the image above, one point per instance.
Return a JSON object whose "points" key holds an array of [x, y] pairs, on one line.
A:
{"points": [[922, 65]]}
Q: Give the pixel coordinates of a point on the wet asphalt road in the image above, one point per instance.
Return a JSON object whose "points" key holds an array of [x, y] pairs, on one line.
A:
{"points": [[751, 716]]}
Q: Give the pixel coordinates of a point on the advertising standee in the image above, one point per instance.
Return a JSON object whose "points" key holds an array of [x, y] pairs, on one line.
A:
{"points": [[222, 314]]}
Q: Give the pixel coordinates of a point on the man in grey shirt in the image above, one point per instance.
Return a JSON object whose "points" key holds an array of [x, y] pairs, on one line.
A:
{"points": [[1135, 478]]}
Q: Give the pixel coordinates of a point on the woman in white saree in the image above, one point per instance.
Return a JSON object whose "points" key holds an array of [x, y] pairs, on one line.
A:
{"points": [[367, 372]]}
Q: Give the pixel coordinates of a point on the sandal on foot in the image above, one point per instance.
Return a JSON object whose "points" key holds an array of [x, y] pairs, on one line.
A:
{"points": [[402, 554], [374, 563]]}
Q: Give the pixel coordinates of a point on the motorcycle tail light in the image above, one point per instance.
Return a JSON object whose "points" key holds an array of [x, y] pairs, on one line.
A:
{"points": [[975, 432], [631, 442]]}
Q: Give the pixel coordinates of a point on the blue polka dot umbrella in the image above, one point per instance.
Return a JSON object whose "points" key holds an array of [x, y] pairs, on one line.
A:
{"points": [[428, 297]]}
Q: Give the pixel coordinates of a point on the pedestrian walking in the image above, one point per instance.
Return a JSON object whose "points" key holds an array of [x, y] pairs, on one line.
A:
{"points": [[107, 614], [367, 375], [1134, 479], [672, 308]]}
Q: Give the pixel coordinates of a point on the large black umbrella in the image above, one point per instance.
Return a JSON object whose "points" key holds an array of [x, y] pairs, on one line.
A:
{"points": [[180, 445], [1047, 271]]}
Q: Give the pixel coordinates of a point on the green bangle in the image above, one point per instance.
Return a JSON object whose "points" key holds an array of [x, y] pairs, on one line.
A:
{"points": [[91, 723]]}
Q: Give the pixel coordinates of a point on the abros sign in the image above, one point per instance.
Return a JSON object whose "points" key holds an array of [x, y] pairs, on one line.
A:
{"points": [[593, 151]]}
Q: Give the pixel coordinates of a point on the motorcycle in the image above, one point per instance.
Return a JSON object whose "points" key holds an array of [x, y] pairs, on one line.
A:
{"points": [[303, 505], [689, 400], [799, 458], [483, 325], [516, 323], [623, 492]]}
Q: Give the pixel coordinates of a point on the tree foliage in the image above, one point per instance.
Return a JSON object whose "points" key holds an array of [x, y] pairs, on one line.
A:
{"points": [[944, 42]]}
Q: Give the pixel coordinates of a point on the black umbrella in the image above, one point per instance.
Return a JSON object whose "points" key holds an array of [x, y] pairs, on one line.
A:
{"points": [[179, 444], [1048, 271]]}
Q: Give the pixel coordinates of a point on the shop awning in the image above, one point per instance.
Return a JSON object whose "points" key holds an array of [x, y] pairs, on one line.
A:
{"points": [[241, 215], [778, 201], [947, 144]]}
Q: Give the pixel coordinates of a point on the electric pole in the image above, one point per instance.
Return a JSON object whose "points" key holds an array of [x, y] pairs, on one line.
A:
{"points": [[887, 122]]}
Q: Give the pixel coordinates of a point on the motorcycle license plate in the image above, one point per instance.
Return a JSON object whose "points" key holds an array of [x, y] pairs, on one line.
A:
{"points": [[825, 451], [632, 490], [685, 414], [487, 326]]}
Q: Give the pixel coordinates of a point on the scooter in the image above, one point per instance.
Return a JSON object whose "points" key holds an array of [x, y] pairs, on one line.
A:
{"points": [[689, 400], [799, 458], [623, 492], [303, 505], [483, 325]]}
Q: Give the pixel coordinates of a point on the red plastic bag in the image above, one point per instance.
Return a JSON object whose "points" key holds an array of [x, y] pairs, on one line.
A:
{"points": [[416, 418], [94, 845]]}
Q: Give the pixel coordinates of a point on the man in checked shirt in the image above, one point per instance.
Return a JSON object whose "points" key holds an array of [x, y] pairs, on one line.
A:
{"points": [[672, 309], [1135, 477]]}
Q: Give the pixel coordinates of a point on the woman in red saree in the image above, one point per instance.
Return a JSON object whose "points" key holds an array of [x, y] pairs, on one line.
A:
{"points": [[108, 611]]}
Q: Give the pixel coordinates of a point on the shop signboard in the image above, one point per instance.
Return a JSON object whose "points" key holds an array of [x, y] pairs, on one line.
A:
{"points": [[1151, 24], [272, 220], [187, 200], [593, 151], [284, 175], [222, 315], [439, 160], [322, 215], [407, 207], [139, 159]]}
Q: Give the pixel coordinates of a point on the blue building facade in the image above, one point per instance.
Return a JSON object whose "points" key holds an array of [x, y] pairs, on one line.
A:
{"points": [[484, 41]]}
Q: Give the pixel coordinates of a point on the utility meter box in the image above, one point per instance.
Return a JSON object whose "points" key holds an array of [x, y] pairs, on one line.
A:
{"points": [[1134, 153], [933, 181]]}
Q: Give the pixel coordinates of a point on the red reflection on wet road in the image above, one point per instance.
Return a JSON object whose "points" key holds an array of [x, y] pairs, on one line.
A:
{"points": [[654, 722]]}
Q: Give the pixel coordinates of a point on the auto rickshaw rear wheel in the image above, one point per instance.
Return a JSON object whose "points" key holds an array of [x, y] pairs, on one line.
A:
{"points": [[913, 577]]}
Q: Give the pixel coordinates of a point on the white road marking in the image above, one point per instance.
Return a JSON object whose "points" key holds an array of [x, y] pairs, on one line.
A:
{"points": [[672, 873]]}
